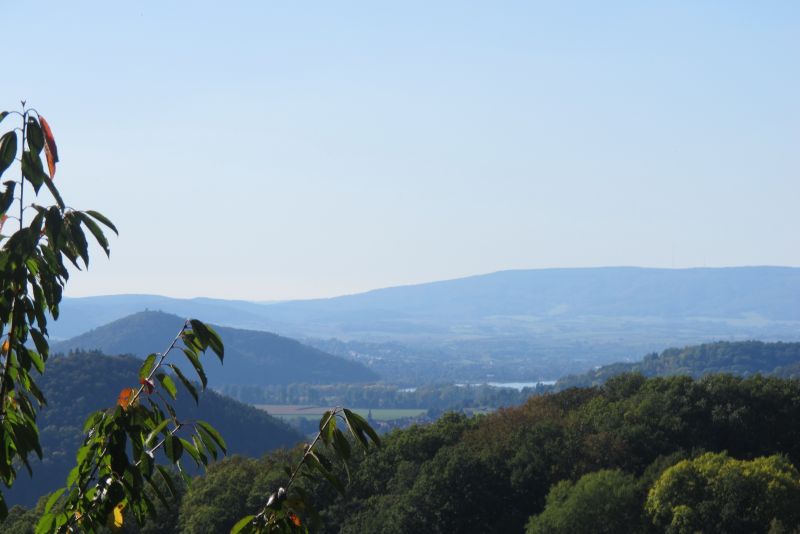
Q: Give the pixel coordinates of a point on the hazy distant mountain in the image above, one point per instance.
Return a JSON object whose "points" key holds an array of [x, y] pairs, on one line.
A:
{"points": [[745, 293], [82, 383], [739, 358], [768, 292], [81, 314], [251, 357], [512, 325]]}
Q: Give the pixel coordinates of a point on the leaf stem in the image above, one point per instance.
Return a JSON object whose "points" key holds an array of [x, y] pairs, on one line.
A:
{"points": [[21, 173]]}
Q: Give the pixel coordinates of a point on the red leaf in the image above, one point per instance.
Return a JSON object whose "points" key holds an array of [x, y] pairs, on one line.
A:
{"points": [[50, 148], [148, 385], [125, 396]]}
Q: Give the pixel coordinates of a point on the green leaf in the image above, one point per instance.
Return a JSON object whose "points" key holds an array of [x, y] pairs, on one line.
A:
{"points": [[37, 393], [198, 445], [147, 366], [168, 384], [74, 473], [32, 169], [341, 445], [198, 367], [37, 360], [102, 218], [317, 463], [7, 197], [327, 426], [79, 240], [35, 136], [353, 426], [8, 150], [168, 479], [158, 492], [207, 441], [214, 435], [39, 341], [156, 431], [192, 450], [56, 195], [208, 337], [92, 420], [188, 385], [3, 115], [173, 448], [96, 231], [242, 524], [53, 498], [358, 426], [46, 524]]}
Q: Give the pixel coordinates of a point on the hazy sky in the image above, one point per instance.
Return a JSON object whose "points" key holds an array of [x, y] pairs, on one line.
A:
{"points": [[271, 150]]}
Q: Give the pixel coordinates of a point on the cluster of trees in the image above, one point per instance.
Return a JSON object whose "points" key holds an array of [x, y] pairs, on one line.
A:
{"points": [[674, 454]]}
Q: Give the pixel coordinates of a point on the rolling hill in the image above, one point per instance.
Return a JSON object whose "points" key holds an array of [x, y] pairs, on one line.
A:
{"points": [[509, 325], [251, 357]]}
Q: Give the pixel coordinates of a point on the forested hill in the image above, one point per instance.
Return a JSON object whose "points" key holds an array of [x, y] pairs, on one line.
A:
{"points": [[740, 358], [251, 357], [84, 382]]}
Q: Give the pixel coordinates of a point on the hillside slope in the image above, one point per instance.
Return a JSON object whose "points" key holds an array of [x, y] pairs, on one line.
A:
{"points": [[252, 357], [740, 358], [84, 382]]}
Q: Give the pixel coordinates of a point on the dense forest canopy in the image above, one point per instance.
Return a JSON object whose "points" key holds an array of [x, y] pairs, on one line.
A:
{"points": [[539, 465]]}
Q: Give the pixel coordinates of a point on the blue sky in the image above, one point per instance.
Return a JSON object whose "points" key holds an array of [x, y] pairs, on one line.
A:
{"points": [[266, 150]]}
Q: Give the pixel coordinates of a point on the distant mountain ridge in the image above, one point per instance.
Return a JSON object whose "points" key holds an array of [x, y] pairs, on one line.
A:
{"points": [[252, 357], [510, 325], [740, 358], [622, 291], [770, 293]]}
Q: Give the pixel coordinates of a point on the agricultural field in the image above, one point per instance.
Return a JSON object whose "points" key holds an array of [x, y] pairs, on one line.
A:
{"points": [[295, 411]]}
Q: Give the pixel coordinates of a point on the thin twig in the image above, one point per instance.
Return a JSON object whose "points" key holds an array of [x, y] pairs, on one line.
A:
{"points": [[303, 459]]}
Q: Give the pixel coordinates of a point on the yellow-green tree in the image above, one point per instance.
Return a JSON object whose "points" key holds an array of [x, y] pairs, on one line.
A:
{"points": [[606, 501], [715, 493]]}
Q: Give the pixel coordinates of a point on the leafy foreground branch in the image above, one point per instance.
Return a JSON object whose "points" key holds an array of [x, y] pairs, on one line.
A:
{"points": [[116, 465], [33, 273], [280, 512]]}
